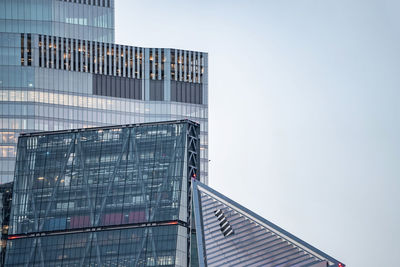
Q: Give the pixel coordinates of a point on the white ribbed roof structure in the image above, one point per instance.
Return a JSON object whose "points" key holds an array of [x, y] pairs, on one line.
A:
{"points": [[230, 235]]}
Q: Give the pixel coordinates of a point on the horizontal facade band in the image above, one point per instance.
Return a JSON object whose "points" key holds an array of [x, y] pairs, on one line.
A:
{"points": [[99, 228]]}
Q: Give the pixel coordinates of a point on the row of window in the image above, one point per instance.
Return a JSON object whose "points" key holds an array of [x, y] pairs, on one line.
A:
{"points": [[186, 66], [117, 60], [116, 248], [103, 3], [7, 152], [69, 27], [27, 51], [107, 105]]}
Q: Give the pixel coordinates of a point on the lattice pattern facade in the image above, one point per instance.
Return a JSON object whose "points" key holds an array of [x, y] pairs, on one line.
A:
{"points": [[115, 196]]}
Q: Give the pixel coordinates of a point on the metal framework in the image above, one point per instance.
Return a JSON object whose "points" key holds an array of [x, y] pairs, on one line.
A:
{"points": [[193, 144], [184, 149]]}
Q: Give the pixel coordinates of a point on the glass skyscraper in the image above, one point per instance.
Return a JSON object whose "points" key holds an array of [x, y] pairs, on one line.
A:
{"points": [[130, 196], [61, 69], [113, 196]]}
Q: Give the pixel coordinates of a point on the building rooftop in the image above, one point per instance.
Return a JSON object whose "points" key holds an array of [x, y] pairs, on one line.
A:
{"points": [[39, 133]]}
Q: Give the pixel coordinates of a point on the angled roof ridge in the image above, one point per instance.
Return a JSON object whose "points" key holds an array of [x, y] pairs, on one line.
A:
{"points": [[271, 226]]}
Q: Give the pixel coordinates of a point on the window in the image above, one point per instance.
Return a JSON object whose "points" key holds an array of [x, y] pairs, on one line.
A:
{"points": [[225, 227]]}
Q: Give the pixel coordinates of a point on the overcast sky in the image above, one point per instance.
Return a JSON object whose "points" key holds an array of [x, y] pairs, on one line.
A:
{"points": [[304, 111]]}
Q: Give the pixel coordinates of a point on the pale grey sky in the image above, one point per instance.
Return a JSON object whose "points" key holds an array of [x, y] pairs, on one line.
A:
{"points": [[304, 111]]}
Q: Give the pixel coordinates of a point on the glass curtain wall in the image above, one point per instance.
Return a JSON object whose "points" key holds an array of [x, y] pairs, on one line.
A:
{"points": [[40, 97], [104, 197], [82, 19]]}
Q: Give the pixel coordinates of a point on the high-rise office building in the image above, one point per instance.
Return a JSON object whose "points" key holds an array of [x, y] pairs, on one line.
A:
{"points": [[60, 69], [130, 196], [114, 196]]}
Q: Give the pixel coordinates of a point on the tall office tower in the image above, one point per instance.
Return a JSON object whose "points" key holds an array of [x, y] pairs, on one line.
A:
{"points": [[113, 196], [60, 69], [130, 196]]}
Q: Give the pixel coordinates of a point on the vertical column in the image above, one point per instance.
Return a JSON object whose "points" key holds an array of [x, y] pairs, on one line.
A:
{"points": [[118, 60], [185, 66], [66, 54], [95, 58], [123, 63], [138, 67], [50, 52], [40, 52], [54, 52], [195, 60], [76, 51], [205, 79], [176, 69], [34, 50], [121, 59], [85, 56], [128, 61], [167, 75], [69, 54], [107, 61], [146, 66], [114, 59], [198, 67], [189, 66], [88, 55], [73, 55], [160, 62], [105, 52], [88, 51], [46, 50], [142, 61], [56, 49], [102, 59], [62, 47], [152, 61], [50, 49], [82, 55], [111, 60], [60, 51], [180, 62], [23, 52], [132, 61]]}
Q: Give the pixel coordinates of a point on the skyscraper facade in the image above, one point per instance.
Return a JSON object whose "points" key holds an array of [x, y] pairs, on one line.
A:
{"points": [[110, 196], [61, 69]]}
